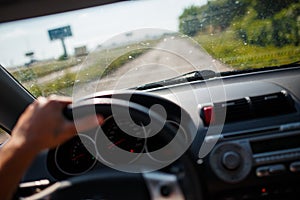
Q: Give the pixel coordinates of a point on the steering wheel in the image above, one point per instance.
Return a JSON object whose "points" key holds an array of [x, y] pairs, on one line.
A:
{"points": [[177, 180]]}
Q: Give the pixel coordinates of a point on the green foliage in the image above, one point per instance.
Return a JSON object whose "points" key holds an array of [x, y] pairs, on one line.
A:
{"points": [[249, 34], [123, 59], [101, 67], [62, 57], [256, 22], [215, 16], [286, 26], [25, 74], [190, 23], [226, 47], [279, 30], [269, 8], [53, 87], [41, 69], [35, 90], [221, 13], [254, 31]]}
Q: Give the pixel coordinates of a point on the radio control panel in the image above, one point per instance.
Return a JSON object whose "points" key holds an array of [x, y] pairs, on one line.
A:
{"points": [[233, 160], [260, 162]]}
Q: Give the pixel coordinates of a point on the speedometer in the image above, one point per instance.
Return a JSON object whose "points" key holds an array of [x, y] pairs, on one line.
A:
{"points": [[72, 158], [118, 138]]}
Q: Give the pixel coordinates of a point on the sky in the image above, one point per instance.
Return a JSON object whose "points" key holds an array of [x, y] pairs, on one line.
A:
{"points": [[90, 27]]}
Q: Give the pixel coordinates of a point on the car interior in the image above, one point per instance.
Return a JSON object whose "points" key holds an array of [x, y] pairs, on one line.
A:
{"points": [[216, 132]]}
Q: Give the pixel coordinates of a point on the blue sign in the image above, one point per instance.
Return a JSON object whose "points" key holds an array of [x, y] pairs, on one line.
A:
{"points": [[60, 33]]}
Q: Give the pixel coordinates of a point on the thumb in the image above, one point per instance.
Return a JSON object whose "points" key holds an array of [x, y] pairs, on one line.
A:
{"points": [[87, 122]]}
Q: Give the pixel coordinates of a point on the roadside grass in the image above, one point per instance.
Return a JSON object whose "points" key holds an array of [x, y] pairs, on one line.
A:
{"points": [[232, 51], [99, 64], [43, 68], [224, 46], [122, 60]]}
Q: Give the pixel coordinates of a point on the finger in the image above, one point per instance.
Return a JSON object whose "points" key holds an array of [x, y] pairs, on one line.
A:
{"points": [[86, 123], [60, 99], [40, 100]]}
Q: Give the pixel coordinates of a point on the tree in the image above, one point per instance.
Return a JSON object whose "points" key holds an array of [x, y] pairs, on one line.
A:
{"points": [[267, 8], [217, 15], [221, 13], [189, 21], [286, 26], [279, 30]]}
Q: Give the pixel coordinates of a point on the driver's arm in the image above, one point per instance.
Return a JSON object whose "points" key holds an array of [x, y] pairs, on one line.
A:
{"points": [[41, 126]]}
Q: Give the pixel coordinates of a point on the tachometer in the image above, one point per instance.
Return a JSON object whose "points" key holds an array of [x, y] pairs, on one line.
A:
{"points": [[117, 137], [72, 158]]}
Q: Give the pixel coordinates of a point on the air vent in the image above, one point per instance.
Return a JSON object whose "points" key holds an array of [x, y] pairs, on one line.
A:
{"points": [[238, 109], [247, 108], [272, 104]]}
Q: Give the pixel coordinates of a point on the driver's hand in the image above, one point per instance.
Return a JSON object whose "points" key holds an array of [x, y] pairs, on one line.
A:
{"points": [[43, 125]]}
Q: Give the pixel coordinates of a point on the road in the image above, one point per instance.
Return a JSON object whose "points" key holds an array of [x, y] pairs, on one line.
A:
{"points": [[169, 58]]}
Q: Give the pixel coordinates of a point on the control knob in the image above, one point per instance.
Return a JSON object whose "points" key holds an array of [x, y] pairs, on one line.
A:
{"points": [[231, 161]]}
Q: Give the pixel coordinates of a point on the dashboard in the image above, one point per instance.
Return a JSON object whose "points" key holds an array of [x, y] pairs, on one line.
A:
{"points": [[243, 129]]}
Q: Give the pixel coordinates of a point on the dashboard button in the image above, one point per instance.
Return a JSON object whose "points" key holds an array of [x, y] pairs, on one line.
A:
{"points": [[262, 171], [207, 114], [277, 169], [270, 170], [295, 166]]}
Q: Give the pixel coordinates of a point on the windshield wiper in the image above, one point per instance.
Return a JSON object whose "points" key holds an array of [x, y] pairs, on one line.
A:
{"points": [[208, 74], [187, 77]]}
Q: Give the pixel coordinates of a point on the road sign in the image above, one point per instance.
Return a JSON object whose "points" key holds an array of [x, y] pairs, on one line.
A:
{"points": [[29, 54], [60, 33]]}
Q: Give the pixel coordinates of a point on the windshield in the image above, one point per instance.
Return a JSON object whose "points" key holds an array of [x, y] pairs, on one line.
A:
{"points": [[127, 44]]}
